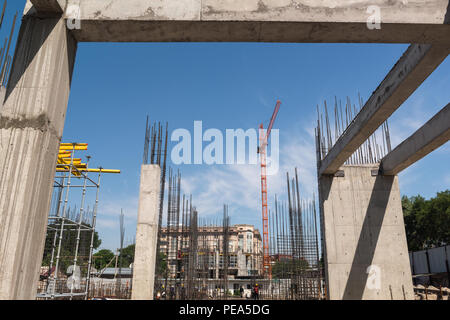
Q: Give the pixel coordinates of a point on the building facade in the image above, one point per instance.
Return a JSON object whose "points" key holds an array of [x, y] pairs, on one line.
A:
{"points": [[211, 252]]}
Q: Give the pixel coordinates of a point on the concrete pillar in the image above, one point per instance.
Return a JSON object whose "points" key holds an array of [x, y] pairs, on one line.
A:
{"points": [[366, 254], [31, 126], [146, 233], [2, 97]]}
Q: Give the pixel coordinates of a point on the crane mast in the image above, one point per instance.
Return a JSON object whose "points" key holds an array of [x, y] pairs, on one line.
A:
{"points": [[263, 140]]}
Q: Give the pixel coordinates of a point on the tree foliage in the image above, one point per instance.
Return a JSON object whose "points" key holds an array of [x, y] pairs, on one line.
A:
{"points": [[127, 256], [124, 260], [427, 222], [68, 246], [284, 267], [102, 258], [162, 264]]}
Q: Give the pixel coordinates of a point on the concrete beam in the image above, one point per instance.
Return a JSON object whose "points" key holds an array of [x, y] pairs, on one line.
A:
{"points": [[429, 137], [416, 64], [146, 234], [45, 6], [417, 21], [31, 126]]}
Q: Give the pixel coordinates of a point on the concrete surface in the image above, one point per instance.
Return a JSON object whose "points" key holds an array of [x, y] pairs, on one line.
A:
{"points": [[2, 97], [416, 64], [363, 226], [31, 126], [429, 137], [415, 21], [146, 233], [56, 6]]}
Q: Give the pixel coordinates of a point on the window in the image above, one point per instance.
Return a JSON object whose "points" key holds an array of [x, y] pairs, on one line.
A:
{"points": [[241, 242], [233, 261], [211, 261]]}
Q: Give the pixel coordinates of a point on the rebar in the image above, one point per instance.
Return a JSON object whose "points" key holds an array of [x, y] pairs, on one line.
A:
{"points": [[370, 152]]}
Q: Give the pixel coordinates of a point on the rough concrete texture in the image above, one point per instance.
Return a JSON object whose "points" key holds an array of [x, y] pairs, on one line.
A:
{"points": [[49, 5], [429, 137], [260, 20], [2, 97], [415, 65], [362, 225], [31, 125], [431, 11], [146, 233]]}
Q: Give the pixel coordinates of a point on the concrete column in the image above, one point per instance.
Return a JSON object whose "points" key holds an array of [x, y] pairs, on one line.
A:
{"points": [[366, 254], [2, 97], [31, 126], [146, 233]]}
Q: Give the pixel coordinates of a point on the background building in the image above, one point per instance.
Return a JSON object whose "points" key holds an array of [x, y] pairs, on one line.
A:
{"points": [[215, 251]]}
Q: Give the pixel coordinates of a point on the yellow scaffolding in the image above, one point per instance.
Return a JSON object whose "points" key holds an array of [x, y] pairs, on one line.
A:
{"points": [[69, 170], [66, 160]]}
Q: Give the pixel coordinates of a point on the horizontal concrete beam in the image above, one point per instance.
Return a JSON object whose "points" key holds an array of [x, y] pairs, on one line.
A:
{"points": [[417, 21], [416, 64], [46, 6], [429, 137]]}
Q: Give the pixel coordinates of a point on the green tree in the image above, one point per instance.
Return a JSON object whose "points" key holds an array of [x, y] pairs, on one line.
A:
{"points": [[284, 267], [427, 222], [102, 258], [68, 246], [162, 264], [126, 256]]}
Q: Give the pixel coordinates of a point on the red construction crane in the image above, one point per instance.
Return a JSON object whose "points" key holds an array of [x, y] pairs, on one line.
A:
{"points": [[263, 140]]}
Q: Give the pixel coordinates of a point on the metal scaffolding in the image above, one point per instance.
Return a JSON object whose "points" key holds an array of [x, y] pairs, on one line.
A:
{"points": [[67, 260]]}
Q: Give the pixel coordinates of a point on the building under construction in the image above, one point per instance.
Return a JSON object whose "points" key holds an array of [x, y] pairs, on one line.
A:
{"points": [[225, 258], [207, 258], [244, 250], [296, 270]]}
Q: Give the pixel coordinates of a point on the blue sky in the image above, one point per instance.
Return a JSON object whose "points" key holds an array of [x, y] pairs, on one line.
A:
{"points": [[229, 86]]}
